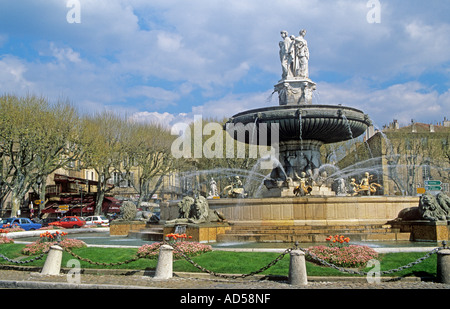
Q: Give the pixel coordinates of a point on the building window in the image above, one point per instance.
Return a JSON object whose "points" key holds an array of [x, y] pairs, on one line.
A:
{"points": [[426, 172], [121, 181], [408, 144], [444, 144], [445, 187], [424, 141]]}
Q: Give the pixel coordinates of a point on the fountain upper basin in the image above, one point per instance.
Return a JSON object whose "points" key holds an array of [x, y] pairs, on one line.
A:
{"points": [[324, 123]]}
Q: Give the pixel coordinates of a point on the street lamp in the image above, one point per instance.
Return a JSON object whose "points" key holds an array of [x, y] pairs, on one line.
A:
{"points": [[81, 209], [81, 193]]}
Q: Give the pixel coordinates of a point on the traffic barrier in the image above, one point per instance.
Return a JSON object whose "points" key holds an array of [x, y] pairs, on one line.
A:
{"points": [[443, 266], [52, 264], [297, 268], [164, 268]]}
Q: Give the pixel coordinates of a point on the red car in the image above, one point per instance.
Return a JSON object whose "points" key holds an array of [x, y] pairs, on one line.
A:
{"points": [[69, 222]]}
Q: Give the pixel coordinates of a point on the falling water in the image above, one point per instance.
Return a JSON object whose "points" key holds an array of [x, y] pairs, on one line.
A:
{"points": [[349, 129], [254, 184], [316, 96], [368, 148], [180, 229], [269, 98], [254, 139], [389, 147], [300, 125]]}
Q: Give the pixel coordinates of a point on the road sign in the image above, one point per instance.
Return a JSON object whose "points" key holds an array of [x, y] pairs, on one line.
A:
{"points": [[433, 188], [433, 182], [421, 190], [63, 207]]}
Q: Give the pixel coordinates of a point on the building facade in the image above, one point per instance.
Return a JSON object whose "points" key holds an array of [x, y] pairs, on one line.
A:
{"points": [[406, 160]]}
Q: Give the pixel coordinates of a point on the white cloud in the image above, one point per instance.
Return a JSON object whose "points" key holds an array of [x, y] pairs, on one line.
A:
{"points": [[155, 95], [234, 103], [165, 119], [12, 75], [64, 54], [403, 102], [428, 44], [140, 55], [168, 42]]}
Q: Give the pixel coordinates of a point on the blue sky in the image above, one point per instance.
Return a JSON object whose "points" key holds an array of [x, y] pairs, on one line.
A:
{"points": [[169, 60]]}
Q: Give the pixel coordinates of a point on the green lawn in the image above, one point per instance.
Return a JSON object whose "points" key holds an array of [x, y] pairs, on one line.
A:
{"points": [[226, 262]]}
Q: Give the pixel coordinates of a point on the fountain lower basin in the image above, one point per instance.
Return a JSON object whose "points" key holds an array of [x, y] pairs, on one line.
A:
{"points": [[308, 219]]}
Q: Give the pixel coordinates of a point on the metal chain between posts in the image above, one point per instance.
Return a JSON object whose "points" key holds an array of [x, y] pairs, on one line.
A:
{"points": [[26, 261], [100, 263], [270, 264], [342, 269], [276, 260], [391, 271]]}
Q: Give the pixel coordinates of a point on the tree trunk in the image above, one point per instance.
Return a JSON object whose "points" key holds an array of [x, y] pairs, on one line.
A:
{"points": [[99, 201], [42, 193], [16, 202], [20, 189]]}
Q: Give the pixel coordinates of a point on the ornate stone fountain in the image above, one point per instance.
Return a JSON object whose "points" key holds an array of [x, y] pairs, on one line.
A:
{"points": [[302, 127]]}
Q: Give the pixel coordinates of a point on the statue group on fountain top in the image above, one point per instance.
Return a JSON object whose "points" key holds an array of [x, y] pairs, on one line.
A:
{"points": [[294, 55], [295, 86]]}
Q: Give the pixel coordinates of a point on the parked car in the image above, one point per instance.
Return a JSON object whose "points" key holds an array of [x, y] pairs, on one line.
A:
{"points": [[46, 221], [69, 222], [23, 223], [97, 220], [5, 222]]}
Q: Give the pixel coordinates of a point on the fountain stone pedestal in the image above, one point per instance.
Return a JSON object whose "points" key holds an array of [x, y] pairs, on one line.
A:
{"points": [[122, 228], [295, 91], [424, 230], [204, 232]]}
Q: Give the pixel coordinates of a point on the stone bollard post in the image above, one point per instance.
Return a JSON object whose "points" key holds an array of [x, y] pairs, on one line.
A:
{"points": [[297, 268], [164, 268], [52, 264], [443, 266]]}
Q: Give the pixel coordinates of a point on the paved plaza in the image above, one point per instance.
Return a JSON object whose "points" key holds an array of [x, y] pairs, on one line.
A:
{"points": [[142, 280]]}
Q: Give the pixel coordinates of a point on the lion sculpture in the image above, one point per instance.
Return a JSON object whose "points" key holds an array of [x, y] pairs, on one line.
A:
{"points": [[434, 208], [128, 211], [195, 210]]}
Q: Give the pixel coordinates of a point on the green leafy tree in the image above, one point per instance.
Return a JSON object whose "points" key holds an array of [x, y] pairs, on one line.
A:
{"points": [[102, 146], [34, 141], [147, 147]]}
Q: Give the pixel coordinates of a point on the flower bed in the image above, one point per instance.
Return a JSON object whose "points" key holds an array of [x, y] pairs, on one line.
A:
{"points": [[187, 247], [6, 240], [48, 239], [340, 253], [350, 256], [51, 227], [11, 229]]}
